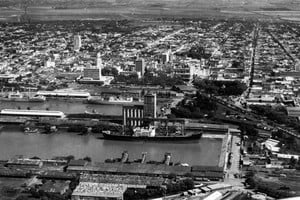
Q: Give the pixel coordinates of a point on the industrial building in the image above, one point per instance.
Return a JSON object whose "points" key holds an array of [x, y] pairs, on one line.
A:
{"points": [[134, 115]]}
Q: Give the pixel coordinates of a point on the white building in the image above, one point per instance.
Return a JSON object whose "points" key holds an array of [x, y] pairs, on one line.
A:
{"points": [[77, 42], [49, 63]]}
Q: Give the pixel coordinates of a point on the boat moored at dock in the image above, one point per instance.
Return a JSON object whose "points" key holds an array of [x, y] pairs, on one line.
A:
{"points": [[149, 134]]}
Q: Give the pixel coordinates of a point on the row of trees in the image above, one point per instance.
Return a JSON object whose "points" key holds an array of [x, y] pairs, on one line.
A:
{"points": [[278, 115], [271, 188], [196, 52], [197, 107], [224, 88], [161, 79]]}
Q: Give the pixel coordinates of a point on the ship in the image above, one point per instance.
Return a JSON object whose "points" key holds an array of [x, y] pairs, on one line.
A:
{"points": [[20, 97], [142, 134], [112, 101]]}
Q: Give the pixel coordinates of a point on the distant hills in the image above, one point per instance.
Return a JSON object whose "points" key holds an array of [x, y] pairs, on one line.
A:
{"points": [[228, 4], [135, 9]]}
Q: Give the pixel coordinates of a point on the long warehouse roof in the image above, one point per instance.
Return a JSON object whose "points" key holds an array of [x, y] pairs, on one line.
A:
{"points": [[31, 112]]}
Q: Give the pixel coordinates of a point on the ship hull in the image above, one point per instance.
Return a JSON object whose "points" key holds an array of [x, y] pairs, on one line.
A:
{"points": [[157, 138]]}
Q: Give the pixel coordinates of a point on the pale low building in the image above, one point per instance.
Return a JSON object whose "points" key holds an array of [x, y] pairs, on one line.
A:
{"points": [[98, 191], [77, 42], [49, 63]]}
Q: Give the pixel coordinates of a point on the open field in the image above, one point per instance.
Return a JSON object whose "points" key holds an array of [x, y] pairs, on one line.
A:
{"points": [[137, 9]]}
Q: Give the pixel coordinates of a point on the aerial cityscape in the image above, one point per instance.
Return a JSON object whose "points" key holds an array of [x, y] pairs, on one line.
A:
{"points": [[161, 100]]}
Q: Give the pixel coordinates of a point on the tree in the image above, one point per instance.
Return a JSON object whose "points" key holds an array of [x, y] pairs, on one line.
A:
{"points": [[249, 130], [87, 158], [293, 162], [70, 157], [172, 176]]}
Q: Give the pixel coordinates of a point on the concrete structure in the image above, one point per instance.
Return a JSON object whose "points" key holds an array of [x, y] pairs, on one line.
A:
{"points": [[140, 66], [98, 191], [77, 42], [150, 106], [133, 115]]}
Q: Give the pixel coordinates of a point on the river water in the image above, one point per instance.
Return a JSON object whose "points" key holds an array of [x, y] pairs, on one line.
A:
{"points": [[64, 106], [14, 142]]}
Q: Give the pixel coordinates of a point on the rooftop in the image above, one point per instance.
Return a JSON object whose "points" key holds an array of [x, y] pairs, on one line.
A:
{"points": [[89, 189]]}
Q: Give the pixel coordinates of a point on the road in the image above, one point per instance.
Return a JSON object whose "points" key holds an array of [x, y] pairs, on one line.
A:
{"points": [[253, 54], [234, 168]]}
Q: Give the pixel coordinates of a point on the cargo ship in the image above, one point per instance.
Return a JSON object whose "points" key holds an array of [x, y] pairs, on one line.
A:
{"points": [[112, 101], [19, 97], [142, 134]]}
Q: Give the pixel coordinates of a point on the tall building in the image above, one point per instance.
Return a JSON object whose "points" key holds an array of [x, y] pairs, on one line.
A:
{"points": [[94, 72], [150, 106], [99, 61], [185, 72], [166, 57], [140, 66], [297, 66], [77, 42]]}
